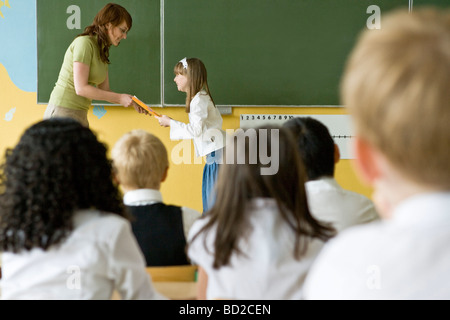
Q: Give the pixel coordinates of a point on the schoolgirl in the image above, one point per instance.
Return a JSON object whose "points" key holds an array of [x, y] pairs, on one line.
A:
{"points": [[205, 122]]}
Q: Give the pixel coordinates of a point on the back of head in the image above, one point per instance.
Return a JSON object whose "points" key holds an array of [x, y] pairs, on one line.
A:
{"points": [[253, 151], [396, 87], [243, 177], [57, 167], [315, 144], [140, 160]]}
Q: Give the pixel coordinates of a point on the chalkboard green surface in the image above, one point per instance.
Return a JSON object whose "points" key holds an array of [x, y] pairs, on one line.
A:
{"points": [[266, 52], [438, 3], [135, 64], [257, 52]]}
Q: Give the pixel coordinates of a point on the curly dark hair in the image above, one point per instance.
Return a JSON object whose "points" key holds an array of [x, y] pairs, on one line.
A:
{"points": [[57, 167]]}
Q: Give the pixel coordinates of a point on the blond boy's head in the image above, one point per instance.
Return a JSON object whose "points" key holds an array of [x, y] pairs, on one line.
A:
{"points": [[140, 160], [397, 89]]}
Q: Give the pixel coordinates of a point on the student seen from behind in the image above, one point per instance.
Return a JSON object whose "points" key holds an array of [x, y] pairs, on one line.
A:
{"points": [[259, 239], [396, 88], [64, 233], [141, 165], [327, 200]]}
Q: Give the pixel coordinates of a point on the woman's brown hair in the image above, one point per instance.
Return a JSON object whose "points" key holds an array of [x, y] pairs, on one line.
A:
{"points": [[111, 13]]}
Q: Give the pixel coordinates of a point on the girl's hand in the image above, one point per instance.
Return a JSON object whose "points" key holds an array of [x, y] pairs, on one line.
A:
{"points": [[164, 121], [139, 109]]}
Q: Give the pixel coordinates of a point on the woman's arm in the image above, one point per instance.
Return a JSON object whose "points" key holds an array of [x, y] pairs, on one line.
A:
{"points": [[84, 89], [105, 84]]}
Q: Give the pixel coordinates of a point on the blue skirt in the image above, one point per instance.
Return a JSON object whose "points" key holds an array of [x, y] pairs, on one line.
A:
{"points": [[210, 173]]}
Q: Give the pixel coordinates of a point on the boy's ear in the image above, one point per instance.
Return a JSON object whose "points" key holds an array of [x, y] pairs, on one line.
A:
{"points": [[164, 176], [367, 160]]}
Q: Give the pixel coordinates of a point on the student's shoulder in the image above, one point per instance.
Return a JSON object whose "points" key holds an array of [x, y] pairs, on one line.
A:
{"points": [[197, 225], [201, 99], [355, 196], [344, 257], [356, 240], [100, 224], [191, 212]]}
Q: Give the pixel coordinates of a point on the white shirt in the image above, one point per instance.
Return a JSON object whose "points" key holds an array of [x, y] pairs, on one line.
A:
{"points": [[406, 257], [268, 270], [329, 202], [204, 127], [100, 255], [142, 197]]}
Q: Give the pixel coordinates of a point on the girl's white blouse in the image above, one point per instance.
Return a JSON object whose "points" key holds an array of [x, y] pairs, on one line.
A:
{"points": [[204, 127]]}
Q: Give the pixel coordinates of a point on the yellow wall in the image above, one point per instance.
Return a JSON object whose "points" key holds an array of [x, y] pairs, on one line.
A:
{"points": [[183, 185]]}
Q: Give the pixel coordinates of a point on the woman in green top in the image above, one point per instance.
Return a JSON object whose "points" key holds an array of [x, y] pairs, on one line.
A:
{"points": [[84, 73]]}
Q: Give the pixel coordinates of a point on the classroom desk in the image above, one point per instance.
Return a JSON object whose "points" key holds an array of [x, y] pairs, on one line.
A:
{"points": [[177, 290], [174, 290]]}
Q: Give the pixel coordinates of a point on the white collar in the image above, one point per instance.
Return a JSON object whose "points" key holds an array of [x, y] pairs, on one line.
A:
{"points": [[141, 197], [323, 182]]}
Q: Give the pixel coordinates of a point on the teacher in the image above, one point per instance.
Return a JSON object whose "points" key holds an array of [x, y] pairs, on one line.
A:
{"points": [[84, 72]]}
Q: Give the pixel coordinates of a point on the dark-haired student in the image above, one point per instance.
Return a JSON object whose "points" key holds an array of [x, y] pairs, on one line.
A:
{"points": [[63, 228], [327, 200], [259, 239]]}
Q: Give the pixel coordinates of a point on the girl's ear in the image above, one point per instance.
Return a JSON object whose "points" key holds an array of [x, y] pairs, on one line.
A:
{"points": [[367, 160]]}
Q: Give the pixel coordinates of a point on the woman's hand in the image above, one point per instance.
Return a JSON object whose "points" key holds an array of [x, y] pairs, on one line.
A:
{"points": [[102, 92], [164, 121], [125, 100]]}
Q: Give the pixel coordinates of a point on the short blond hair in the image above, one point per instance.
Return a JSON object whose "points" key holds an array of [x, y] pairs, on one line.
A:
{"points": [[140, 160], [396, 86]]}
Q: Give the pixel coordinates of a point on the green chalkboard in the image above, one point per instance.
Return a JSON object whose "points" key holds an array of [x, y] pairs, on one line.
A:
{"points": [[266, 52], [437, 3], [257, 52], [135, 65]]}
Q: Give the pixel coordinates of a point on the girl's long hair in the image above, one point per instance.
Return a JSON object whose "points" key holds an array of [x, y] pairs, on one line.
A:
{"points": [[111, 13], [57, 167], [197, 78], [238, 184]]}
